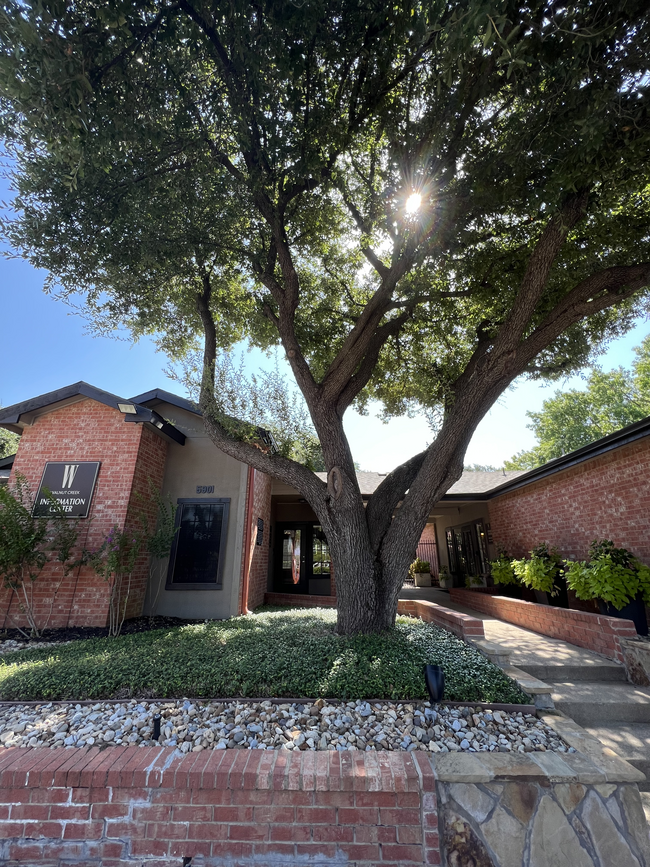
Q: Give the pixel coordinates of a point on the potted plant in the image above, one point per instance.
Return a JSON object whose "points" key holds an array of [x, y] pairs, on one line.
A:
{"points": [[543, 573], [446, 580], [420, 571], [616, 579], [502, 571]]}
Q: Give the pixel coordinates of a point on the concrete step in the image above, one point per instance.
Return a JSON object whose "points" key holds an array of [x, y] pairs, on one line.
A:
{"points": [[602, 703], [632, 742], [603, 670]]}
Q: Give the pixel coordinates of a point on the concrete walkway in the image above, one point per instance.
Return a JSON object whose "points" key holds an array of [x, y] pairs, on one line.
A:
{"points": [[548, 656], [587, 687]]}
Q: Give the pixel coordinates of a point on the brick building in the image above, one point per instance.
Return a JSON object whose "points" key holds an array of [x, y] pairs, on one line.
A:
{"points": [[242, 534], [154, 442]]}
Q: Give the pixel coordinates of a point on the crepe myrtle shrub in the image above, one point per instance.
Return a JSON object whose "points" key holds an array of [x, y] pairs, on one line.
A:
{"points": [[417, 203], [158, 533], [542, 571], [611, 574], [114, 560], [28, 544]]}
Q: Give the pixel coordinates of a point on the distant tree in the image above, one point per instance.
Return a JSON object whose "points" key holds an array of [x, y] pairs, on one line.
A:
{"points": [[265, 399], [572, 419], [480, 468], [8, 443]]}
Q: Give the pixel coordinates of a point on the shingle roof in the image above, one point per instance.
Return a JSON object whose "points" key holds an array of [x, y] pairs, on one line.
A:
{"points": [[368, 482], [480, 483], [10, 416], [469, 483]]}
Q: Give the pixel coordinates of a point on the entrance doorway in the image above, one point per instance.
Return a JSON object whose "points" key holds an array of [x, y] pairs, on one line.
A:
{"points": [[302, 559], [467, 550]]}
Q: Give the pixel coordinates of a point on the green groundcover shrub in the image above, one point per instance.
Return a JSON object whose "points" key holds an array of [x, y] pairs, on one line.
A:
{"points": [[273, 653]]}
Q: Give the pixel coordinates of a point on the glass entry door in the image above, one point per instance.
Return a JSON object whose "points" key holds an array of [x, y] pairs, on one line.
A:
{"points": [[302, 560], [291, 575]]}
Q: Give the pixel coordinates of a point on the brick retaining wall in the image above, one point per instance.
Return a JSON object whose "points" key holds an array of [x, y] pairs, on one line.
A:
{"points": [[463, 625], [125, 805], [592, 631]]}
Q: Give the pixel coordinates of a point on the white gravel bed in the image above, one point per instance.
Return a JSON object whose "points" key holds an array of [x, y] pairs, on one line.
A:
{"points": [[195, 725], [11, 646]]}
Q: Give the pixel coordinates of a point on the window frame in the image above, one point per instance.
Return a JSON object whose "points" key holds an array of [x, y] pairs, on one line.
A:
{"points": [[217, 584]]}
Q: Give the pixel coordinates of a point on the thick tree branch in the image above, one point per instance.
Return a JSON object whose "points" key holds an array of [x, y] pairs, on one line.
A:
{"points": [[277, 466], [538, 270], [361, 377], [593, 294], [385, 499]]}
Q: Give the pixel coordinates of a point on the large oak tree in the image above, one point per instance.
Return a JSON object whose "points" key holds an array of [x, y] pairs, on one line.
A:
{"points": [[418, 201]]}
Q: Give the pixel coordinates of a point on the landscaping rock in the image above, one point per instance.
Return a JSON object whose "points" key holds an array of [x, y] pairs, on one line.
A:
{"points": [[269, 725]]}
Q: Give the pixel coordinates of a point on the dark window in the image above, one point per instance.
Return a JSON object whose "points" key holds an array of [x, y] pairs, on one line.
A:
{"points": [[197, 555]]}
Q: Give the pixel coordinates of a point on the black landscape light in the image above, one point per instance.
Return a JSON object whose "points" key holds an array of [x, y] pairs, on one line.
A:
{"points": [[434, 677], [156, 727]]}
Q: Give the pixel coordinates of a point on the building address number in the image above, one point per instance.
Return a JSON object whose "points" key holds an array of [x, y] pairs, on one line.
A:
{"points": [[205, 489]]}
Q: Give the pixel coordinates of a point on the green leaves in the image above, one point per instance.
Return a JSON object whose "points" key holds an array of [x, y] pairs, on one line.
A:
{"points": [[502, 570], [28, 544], [572, 419], [612, 574], [272, 653]]}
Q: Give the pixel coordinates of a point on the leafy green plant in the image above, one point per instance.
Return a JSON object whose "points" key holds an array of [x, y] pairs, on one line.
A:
{"points": [[114, 560], [473, 581], [418, 566], [27, 545], [542, 571], [502, 571], [158, 540], [271, 653], [611, 574]]}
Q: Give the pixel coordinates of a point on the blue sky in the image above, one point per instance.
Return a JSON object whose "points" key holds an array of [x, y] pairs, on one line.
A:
{"points": [[44, 346]]}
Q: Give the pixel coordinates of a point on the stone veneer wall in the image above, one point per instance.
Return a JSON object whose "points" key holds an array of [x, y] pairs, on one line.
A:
{"points": [[594, 631], [527, 824]]}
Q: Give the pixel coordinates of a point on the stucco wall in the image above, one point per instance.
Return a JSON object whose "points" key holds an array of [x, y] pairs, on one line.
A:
{"points": [[200, 462]]}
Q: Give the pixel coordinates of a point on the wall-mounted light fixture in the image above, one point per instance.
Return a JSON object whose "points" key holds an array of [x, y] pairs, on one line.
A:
{"points": [[128, 408]]}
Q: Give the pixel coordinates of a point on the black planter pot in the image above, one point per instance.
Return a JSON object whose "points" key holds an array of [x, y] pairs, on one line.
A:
{"points": [[561, 598], [634, 611]]}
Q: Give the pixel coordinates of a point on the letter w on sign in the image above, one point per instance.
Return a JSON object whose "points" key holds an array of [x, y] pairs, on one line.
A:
{"points": [[69, 472]]}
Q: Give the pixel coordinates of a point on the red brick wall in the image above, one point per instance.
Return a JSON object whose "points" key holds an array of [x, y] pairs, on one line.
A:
{"points": [[462, 625], [593, 631], [88, 431], [124, 805], [607, 497], [148, 475], [302, 600], [257, 556]]}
